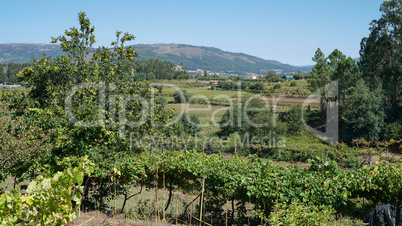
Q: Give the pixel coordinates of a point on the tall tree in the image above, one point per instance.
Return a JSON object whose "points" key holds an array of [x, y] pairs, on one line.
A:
{"points": [[85, 104], [334, 58], [381, 53], [345, 71], [320, 76]]}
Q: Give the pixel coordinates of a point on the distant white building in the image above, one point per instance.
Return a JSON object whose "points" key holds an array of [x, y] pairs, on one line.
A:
{"points": [[253, 76], [178, 68]]}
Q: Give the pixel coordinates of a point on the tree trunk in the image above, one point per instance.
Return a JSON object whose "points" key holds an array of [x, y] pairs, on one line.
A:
{"points": [[233, 211], [170, 193], [398, 212]]}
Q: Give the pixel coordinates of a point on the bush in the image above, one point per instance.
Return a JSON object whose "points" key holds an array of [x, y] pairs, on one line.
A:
{"points": [[187, 125], [293, 83], [301, 214], [256, 86], [181, 96], [160, 100], [198, 101], [53, 200], [393, 131], [366, 117], [227, 85], [236, 120], [294, 118], [277, 86]]}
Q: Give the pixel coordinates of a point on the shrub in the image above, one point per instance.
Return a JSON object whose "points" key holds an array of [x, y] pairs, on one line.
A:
{"points": [[366, 118], [237, 120], [256, 86], [213, 87], [187, 125], [301, 214], [54, 200], [160, 100], [393, 131], [294, 118], [277, 86], [293, 83], [181, 96]]}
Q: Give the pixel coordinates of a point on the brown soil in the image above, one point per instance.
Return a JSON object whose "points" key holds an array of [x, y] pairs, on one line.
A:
{"points": [[289, 100], [285, 100], [99, 218]]}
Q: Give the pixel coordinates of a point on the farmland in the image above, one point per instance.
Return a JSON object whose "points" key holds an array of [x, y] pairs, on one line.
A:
{"points": [[96, 136]]}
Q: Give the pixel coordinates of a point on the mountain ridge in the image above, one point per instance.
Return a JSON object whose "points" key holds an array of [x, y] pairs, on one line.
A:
{"points": [[214, 59], [192, 57]]}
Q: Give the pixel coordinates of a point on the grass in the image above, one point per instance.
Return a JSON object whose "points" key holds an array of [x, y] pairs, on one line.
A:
{"points": [[14, 90], [204, 92], [209, 116]]}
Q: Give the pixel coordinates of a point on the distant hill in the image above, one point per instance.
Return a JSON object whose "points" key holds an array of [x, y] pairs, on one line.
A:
{"points": [[23, 52], [192, 57], [213, 59]]}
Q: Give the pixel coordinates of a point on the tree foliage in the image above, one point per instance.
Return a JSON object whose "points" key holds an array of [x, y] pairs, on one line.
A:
{"points": [[155, 69], [381, 53], [87, 104], [188, 125], [366, 118], [53, 200], [320, 76], [181, 96]]}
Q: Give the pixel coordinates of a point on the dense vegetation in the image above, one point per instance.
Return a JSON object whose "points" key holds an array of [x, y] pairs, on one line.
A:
{"points": [[243, 85], [154, 69], [88, 128], [8, 72]]}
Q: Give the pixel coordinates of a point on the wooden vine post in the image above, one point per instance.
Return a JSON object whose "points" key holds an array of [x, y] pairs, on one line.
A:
{"points": [[202, 199]]}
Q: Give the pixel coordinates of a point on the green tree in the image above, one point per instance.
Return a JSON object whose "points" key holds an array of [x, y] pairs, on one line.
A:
{"points": [[205, 73], [264, 125], [213, 87], [271, 76], [2, 74], [256, 86], [64, 99], [294, 117], [320, 76], [381, 53], [366, 118], [188, 125], [181, 96], [238, 118], [334, 58], [277, 86]]}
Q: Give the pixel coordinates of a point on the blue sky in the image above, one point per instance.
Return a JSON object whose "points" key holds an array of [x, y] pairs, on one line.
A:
{"points": [[285, 30]]}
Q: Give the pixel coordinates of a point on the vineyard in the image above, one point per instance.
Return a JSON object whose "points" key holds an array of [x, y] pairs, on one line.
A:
{"points": [[86, 134], [241, 191]]}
